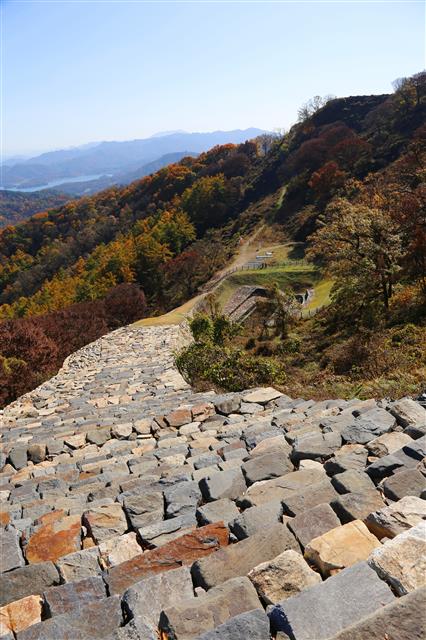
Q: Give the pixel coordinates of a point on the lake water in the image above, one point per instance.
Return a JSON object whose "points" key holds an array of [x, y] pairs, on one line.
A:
{"points": [[53, 183]]}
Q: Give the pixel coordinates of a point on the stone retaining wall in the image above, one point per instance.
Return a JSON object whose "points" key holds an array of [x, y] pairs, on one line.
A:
{"points": [[132, 506]]}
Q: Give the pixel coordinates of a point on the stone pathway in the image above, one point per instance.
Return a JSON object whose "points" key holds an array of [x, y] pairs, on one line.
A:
{"points": [[132, 508]]}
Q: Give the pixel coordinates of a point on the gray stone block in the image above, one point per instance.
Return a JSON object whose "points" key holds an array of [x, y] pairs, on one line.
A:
{"points": [[191, 618], [10, 552], [158, 533], [357, 506], [256, 519], [322, 493], [18, 457], [313, 523], [319, 446], [402, 619], [352, 481], [223, 510], [93, 621], [79, 565], [408, 413], [238, 559], [266, 466], [408, 482], [228, 404], [74, 595], [350, 456], [252, 624], [281, 488], [147, 598], [368, 426], [226, 484], [25, 581], [182, 498], [325, 609]]}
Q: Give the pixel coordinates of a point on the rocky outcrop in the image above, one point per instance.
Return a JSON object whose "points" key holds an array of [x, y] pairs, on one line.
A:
{"points": [[132, 506]]}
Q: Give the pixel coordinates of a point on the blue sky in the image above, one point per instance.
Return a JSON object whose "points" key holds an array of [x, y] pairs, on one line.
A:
{"points": [[75, 72]]}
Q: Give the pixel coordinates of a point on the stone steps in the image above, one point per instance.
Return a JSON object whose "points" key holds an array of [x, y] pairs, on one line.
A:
{"points": [[132, 506]]}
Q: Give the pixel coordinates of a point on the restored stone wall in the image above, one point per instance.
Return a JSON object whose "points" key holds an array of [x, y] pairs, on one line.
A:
{"points": [[130, 504]]}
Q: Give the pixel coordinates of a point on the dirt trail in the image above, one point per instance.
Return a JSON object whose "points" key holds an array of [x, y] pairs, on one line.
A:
{"points": [[246, 251]]}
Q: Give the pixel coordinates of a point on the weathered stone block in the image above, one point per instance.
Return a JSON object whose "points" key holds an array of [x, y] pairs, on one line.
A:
{"points": [[19, 615], [93, 621], [223, 510], [402, 619], [74, 595], [18, 457], [276, 443], [226, 484], [54, 540], [104, 522], [256, 519], [37, 452], [32, 579], [179, 417], [238, 559], [352, 481], [312, 523], [341, 547], [252, 624], [272, 464], [182, 551], [147, 598], [280, 488], [119, 549], [79, 565], [319, 446], [325, 609], [164, 531], [356, 506], [408, 482], [283, 577], [144, 508], [402, 560], [397, 517], [181, 498], [10, 551], [227, 404], [388, 443], [350, 456], [321, 493], [408, 413], [191, 618]]}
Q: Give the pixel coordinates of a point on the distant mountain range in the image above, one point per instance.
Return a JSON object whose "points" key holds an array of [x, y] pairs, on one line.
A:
{"points": [[89, 187], [111, 162]]}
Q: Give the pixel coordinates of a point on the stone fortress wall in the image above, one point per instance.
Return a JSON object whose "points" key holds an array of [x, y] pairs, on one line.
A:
{"points": [[133, 508]]}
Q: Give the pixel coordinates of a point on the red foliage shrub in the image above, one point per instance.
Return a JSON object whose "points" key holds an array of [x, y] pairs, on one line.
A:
{"points": [[327, 180], [124, 304], [27, 356]]}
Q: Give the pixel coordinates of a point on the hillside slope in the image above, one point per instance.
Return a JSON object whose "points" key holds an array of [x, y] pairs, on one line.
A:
{"points": [[352, 169], [15, 207]]}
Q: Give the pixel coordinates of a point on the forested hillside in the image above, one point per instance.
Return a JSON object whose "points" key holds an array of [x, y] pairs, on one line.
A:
{"points": [[349, 178], [15, 207]]}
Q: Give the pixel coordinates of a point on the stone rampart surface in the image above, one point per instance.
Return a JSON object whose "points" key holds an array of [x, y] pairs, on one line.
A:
{"points": [[132, 508]]}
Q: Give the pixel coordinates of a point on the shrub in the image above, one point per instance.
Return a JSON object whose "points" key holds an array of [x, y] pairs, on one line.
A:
{"points": [[124, 304], [228, 368]]}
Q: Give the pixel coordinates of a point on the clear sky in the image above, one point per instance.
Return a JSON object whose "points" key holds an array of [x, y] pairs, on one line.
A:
{"points": [[81, 71]]}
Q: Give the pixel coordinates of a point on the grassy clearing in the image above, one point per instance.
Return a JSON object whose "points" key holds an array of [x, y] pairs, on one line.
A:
{"points": [[298, 277], [321, 297], [176, 316]]}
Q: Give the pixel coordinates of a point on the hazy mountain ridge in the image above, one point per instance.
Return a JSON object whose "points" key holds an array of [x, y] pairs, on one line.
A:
{"points": [[114, 157]]}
